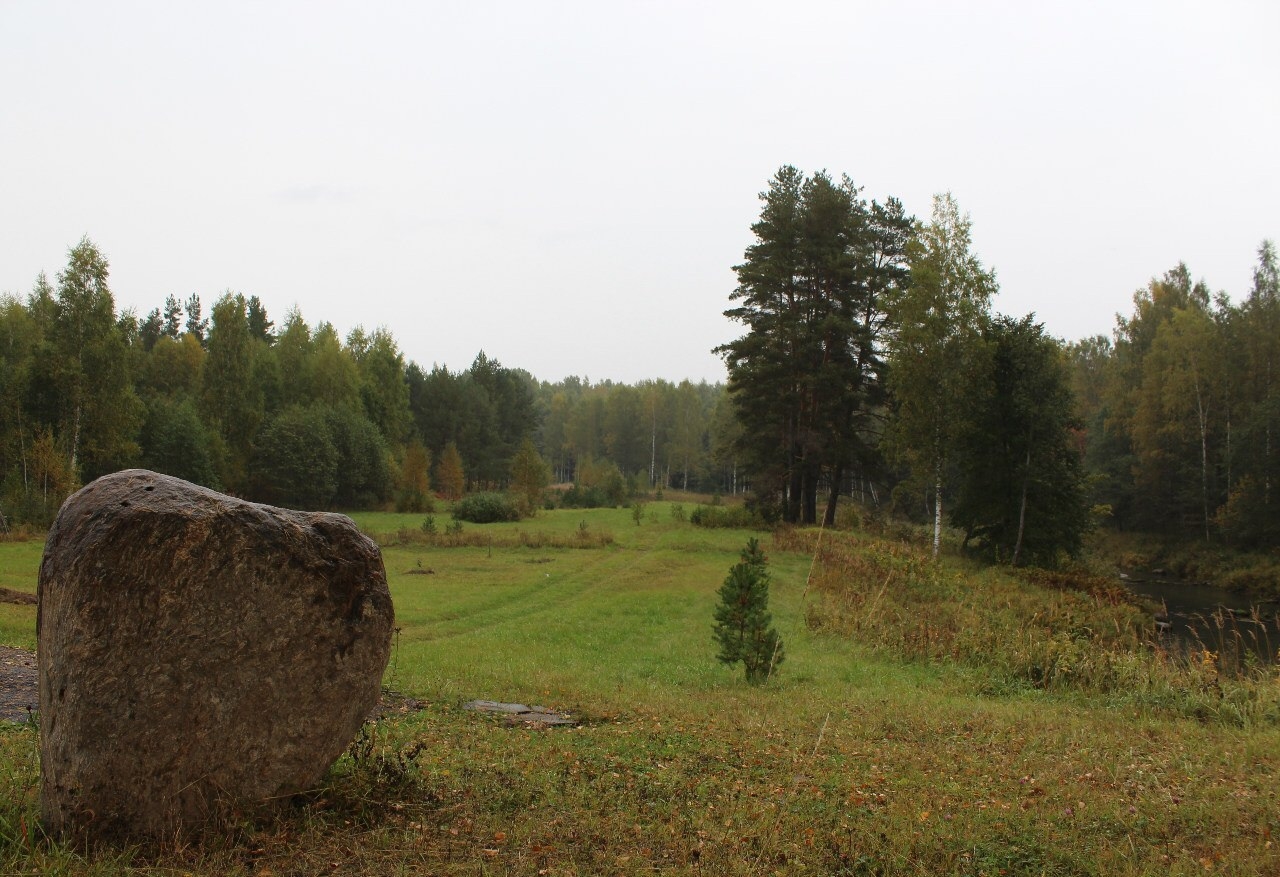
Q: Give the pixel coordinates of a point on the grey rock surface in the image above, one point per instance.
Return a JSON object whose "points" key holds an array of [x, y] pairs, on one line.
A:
{"points": [[519, 715], [196, 653]]}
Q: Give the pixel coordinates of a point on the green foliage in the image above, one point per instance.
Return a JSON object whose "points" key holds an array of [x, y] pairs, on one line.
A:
{"points": [[530, 476], [413, 493], [577, 497], [383, 390], [739, 517], [232, 399], [485, 412], [175, 441], [604, 482], [938, 320], [1181, 411], [814, 290], [1020, 487], [742, 628], [84, 370], [451, 479], [486, 508], [364, 471], [295, 462]]}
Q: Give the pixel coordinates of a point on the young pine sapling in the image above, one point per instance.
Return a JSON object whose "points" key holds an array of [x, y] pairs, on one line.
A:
{"points": [[742, 627]]}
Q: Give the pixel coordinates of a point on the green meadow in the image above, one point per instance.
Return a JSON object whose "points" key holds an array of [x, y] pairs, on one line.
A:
{"points": [[928, 719]]}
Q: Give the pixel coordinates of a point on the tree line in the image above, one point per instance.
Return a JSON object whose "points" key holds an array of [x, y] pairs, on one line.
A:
{"points": [[296, 415], [1181, 409], [871, 364]]}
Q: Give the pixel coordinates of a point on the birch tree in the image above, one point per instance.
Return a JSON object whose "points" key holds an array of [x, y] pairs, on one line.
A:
{"points": [[98, 412], [938, 319]]}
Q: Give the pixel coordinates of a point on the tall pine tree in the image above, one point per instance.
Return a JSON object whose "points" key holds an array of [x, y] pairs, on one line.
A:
{"points": [[813, 294]]}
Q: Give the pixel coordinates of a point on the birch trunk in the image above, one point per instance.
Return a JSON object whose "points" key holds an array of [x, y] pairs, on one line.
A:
{"points": [[1202, 416], [937, 506], [1022, 508]]}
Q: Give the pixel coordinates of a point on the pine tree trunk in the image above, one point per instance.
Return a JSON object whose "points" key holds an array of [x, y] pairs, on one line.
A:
{"points": [[829, 518], [811, 497]]}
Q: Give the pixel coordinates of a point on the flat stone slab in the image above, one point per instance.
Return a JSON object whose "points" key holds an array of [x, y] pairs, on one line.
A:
{"points": [[519, 715]]}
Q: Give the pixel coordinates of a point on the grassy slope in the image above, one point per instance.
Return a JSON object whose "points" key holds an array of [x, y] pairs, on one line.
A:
{"points": [[19, 568], [849, 763]]}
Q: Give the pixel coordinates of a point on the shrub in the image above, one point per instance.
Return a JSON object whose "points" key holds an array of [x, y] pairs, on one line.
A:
{"points": [[742, 619], [734, 517], [409, 499], [578, 497], [485, 508]]}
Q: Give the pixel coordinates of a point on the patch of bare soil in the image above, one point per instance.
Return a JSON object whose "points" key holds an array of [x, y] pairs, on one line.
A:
{"points": [[8, 595]]}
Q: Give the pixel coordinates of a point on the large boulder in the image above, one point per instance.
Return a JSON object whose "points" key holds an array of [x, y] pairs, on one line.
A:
{"points": [[197, 653]]}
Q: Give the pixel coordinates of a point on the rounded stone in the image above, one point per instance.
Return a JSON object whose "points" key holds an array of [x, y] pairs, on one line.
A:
{"points": [[197, 653]]}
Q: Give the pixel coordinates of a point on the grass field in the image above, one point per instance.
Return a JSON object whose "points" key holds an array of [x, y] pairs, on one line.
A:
{"points": [[871, 753]]}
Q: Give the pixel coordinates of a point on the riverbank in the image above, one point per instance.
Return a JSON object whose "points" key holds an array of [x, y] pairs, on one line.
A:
{"points": [[1254, 574]]}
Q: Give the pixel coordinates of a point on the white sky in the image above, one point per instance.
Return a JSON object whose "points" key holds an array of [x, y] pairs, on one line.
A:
{"points": [[568, 185]]}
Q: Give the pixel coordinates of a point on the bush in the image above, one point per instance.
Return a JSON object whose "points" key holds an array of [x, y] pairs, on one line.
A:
{"points": [[412, 500], [734, 517], [742, 627], [578, 497], [485, 508]]}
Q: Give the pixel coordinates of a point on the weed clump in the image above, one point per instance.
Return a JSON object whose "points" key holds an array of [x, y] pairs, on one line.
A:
{"points": [[1050, 631]]}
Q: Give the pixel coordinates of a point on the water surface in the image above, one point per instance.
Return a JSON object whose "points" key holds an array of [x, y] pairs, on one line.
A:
{"points": [[1197, 615]]}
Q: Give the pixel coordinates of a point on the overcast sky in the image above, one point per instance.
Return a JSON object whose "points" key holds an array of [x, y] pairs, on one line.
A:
{"points": [[567, 186]]}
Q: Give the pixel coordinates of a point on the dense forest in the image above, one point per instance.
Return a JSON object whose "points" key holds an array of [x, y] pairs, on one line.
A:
{"points": [[294, 414], [871, 366]]}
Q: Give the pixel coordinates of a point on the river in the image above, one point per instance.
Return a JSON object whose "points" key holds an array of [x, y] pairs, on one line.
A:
{"points": [[1198, 615]]}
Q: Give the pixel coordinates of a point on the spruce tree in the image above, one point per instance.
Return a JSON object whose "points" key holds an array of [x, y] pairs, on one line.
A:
{"points": [[742, 626]]}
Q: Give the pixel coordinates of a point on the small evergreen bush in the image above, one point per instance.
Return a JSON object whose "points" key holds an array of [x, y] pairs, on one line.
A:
{"points": [[485, 508], [742, 627]]}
